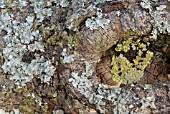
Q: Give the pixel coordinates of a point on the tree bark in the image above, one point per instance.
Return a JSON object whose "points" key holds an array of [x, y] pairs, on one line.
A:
{"points": [[74, 87]]}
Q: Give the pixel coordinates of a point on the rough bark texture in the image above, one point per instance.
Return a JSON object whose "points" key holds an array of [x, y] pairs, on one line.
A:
{"points": [[72, 95]]}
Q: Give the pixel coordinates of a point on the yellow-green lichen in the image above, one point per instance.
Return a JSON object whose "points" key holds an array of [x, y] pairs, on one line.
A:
{"points": [[71, 40], [126, 70]]}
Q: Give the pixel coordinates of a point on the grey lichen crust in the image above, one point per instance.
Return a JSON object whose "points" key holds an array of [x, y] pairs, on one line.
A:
{"points": [[96, 22], [22, 38], [81, 10], [58, 112], [19, 40], [159, 22], [123, 101], [14, 111]]}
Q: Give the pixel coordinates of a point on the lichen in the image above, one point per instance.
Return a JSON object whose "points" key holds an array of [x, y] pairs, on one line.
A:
{"points": [[96, 22], [82, 11], [67, 58], [159, 22], [13, 3], [64, 3], [123, 101], [57, 40], [82, 84], [24, 37], [30, 100], [21, 38], [59, 111], [130, 71], [14, 111]]}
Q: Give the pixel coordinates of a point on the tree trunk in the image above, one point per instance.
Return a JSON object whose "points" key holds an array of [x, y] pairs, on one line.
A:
{"points": [[75, 48]]}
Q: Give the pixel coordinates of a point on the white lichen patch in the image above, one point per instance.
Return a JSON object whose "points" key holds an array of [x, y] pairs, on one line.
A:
{"points": [[81, 11], [159, 22], [64, 3], [13, 3], [2, 4], [96, 22], [41, 10], [66, 57], [83, 85], [122, 100], [21, 40], [59, 111], [14, 111]]}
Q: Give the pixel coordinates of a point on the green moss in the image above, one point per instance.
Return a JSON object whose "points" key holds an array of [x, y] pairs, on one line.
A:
{"points": [[126, 70], [30, 100], [70, 40], [27, 108]]}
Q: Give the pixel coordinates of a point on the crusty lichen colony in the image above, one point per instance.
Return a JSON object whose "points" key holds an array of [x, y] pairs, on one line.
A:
{"points": [[130, 71], [23, 33], [20, 39]]}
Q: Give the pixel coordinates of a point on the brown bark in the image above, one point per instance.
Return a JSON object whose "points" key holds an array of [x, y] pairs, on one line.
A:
{"points": [[133, 21]]}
